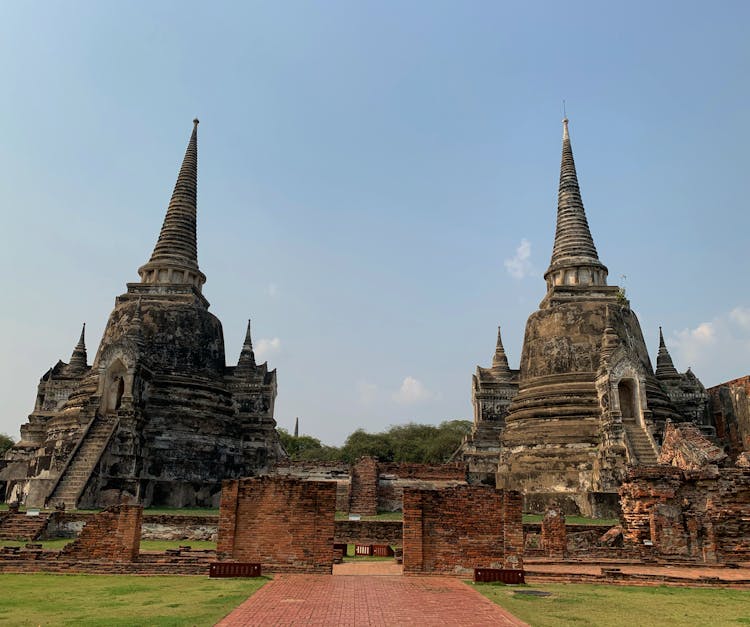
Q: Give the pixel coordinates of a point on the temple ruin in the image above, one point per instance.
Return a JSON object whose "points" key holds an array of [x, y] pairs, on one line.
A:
{"points": [[158, 418], [585, 402]]}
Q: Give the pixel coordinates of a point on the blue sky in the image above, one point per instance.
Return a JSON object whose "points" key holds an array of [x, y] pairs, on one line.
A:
{"points": [[377, 182]]}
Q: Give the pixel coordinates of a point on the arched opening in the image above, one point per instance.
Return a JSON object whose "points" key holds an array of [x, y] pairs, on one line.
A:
{"points": [[114, 387], [628, 406]]}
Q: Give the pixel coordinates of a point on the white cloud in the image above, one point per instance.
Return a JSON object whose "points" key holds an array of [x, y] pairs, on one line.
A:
{"points": [[716, 350], [273, 290], [265, 347], [411, 392], [741, 316], [367, 392], [519, 266]]}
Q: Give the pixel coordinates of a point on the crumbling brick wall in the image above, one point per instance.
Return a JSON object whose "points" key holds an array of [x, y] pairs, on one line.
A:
{"points": [[379, 486], [113, 534], [455, 530], [685, 447], [699, 514], [369, 532], [285, 524], [554, 533], [730, 407], [338, 472], [394, 478]]}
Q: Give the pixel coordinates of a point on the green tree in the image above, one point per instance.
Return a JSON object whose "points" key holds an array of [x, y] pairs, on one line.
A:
{"points": [[5, 443]]}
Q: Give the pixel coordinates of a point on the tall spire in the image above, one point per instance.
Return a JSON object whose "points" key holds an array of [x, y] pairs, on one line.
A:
{"points": [[574, 257], [79, 358], [247, 356], [664, 367], [499, 359], [175, 256]]}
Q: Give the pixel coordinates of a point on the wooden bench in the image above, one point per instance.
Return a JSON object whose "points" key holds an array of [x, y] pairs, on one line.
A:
{"points": [[234, 569], [504, 575]]}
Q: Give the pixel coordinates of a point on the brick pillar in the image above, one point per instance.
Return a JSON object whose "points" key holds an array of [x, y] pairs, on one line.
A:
{"points": [[113, 534], [227, 518], [364, 487], [413, 552], [513, 529], [554, 533]]}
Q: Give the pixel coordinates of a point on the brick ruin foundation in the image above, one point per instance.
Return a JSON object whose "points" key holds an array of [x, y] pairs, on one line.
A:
{"points": [[114, 534], [286, 525], [454, 530], [554, 533], [693, 505], [369, 486]]}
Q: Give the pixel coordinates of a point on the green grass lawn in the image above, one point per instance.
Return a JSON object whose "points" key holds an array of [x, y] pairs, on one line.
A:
{"points": [[622, 606], [119, 600]]}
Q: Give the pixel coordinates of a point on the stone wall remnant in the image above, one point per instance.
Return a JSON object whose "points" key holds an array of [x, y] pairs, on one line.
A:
{"points": [[284, 524], [454, 530], [113, 534]]}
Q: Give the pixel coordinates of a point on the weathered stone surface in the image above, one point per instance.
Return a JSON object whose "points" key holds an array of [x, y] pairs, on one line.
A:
{"points": [[730, 409], [159, 418], [702, 515], [686, 447]]}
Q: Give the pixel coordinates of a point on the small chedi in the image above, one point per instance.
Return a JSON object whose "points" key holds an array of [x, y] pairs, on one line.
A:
{"points": [[158, 418], [586, 401]]}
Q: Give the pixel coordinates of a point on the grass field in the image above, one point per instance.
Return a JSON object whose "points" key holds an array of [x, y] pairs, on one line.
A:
{"points": [[622, 606], [119, 600]]}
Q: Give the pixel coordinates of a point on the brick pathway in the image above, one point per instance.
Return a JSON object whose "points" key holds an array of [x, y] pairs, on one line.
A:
{"points": [[384, 600]]}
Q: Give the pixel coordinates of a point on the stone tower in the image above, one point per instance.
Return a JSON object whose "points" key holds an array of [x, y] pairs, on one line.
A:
{"points": [[158, 418], [588, 401], [491, 392]]}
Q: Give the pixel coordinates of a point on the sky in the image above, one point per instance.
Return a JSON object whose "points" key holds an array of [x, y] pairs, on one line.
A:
{"points": [[377, 182]]}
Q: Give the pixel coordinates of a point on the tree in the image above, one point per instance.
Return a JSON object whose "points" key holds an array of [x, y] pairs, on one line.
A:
{"points": [[5, 443]]}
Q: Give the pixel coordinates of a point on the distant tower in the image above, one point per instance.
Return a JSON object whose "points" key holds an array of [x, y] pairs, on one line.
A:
{"points": [[296, 427]]}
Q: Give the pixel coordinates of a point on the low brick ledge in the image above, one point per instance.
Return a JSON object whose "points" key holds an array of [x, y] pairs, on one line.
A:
{"points": [[636, 579]]}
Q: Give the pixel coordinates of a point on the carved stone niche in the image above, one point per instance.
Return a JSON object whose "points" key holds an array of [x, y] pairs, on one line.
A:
{"points": [[116, 371]]}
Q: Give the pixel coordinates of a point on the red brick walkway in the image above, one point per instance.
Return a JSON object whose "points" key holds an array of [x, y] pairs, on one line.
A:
{"points": [[368, 600]]}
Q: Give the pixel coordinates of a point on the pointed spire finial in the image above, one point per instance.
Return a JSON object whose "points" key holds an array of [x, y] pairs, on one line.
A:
{"points": [[175, 256], [247, 355], [79, 358], [296, 427], [574, 257], [664, 367], [500, 359]]}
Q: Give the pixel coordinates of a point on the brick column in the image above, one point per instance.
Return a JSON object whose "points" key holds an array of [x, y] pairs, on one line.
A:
{"points": [[364, 487], [227, 518]]}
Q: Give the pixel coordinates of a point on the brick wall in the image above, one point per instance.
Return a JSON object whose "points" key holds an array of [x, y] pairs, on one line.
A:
{"points": [[364, 490], [701, 515], [113, 534], [554, 537], [285, 524], [369, 532], [454, 530], [687, 448], [454, 471], [339, 472], [730, 408]]}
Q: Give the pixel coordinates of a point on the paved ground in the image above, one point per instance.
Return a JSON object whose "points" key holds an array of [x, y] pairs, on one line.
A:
{"points": [[371, 600]]}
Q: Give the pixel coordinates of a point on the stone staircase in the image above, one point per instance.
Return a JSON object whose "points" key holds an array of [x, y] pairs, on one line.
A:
{"points": [[641, 451], [82, 462], [19, 526]]}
